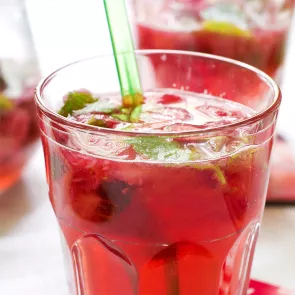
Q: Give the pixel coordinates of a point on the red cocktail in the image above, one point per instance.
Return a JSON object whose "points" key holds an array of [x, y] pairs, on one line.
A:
{"points": [[19, 74], [254, 32], [18, 133], [161, 194]]}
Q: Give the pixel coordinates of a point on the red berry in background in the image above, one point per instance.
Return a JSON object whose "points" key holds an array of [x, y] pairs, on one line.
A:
{"points": [[170, 98], [110, 197]]}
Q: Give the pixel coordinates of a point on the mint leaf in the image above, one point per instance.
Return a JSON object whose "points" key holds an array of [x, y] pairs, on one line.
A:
{"points": [[5, 103], [96, 122], [99, 106], [128, 115], [121, 117], [156, 148], [75, 101], [126, 111], [135, 114]]}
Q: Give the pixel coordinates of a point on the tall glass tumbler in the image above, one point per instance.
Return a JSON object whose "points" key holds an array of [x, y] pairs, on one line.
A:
{"points": [[150, 226], [251, 31], [19, 75]]}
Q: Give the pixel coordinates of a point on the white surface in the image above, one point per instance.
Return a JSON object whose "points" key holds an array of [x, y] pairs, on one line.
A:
{"points": [[30, 256], [274, 259]]}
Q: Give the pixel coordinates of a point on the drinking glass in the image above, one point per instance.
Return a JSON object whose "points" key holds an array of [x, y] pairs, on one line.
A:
{"points": [[156, 226], [254, 32], [19, 75]]}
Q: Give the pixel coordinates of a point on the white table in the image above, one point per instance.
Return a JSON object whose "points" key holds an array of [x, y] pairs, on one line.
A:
{"points": [[31, 262], [30, 257]]}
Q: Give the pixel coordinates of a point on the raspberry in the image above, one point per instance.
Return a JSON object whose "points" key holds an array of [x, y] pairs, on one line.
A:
{"points": [[170, 98], [109, 198]]}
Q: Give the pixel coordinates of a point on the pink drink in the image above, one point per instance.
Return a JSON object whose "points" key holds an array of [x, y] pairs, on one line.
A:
{"points": [[18, 133], [254, 32], [19, 74], [168, 204], [128, 202]]}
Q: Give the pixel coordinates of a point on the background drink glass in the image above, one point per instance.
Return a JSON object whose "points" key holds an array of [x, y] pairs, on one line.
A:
{"points": [[156, 226], [19, 74], [254, 32]]}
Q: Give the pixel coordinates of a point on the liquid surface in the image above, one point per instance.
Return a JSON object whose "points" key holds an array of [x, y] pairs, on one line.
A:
{"points": [[164, 111]]}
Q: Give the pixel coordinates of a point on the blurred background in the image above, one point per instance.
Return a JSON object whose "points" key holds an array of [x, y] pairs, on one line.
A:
{"points": [[30, 257]]}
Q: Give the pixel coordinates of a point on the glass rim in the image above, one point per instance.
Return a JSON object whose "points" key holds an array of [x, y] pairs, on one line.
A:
{"points": [[84, 127]]}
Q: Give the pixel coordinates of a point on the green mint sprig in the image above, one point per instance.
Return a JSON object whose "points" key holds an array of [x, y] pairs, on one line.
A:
{"points": [[131, 108], [80, 102], [76, 100], [96, 122], [157, 148]]}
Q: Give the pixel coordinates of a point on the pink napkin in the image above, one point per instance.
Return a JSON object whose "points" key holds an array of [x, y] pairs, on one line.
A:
{"points": [[260, 288], [282, 177]]}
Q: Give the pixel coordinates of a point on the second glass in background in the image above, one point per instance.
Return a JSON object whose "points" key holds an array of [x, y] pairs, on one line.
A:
{"points": [[19, 74], [254, 32]]}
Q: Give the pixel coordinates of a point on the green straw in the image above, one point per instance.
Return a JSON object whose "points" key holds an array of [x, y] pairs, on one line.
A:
{"points": [[123, 47]]}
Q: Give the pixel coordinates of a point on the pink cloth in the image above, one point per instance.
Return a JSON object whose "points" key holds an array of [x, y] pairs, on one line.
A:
{"points": [[260, 288]]}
